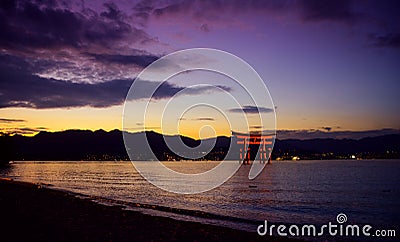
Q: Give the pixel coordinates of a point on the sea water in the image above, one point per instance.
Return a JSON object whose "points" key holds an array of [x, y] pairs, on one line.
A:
{"points": [[289, 192]]}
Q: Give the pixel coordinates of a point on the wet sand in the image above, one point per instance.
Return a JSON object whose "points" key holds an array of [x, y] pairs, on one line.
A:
{"points": [[31, 212]]}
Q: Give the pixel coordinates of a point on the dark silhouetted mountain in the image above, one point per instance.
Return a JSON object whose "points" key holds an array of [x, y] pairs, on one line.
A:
{"points": [[327, 133], [386, 146], [102, 145], [6, 148], [70, 145], [99, 145]]}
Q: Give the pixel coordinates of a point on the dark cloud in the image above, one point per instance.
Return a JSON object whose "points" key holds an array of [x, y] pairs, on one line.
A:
{"points": [[26, 24], [173, 8], [61, 41], [167, 90], [21, 88], [204, 119], [139, 60], [391, 40], [35, 92], [10, 120], [55, 55], [209, 13], [338, 10], [112, 12], [216, 13], [326, 128], [204, 89], [256, 127], [209, 9], [251, 109], [24, 130], [205, 28], [143, 10], [214, 10]]}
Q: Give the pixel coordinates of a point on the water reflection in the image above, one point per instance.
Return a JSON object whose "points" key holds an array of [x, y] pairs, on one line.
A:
{"points": [[299, 192]]}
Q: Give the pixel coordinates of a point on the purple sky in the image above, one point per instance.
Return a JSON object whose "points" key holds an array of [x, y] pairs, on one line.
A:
{"points": [[328, 64]]}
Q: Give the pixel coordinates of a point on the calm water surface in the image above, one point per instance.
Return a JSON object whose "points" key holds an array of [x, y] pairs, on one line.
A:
{"points": [[367, 191]]}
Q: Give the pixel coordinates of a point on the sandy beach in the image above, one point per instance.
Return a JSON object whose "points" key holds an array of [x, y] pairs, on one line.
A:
{"points": [[31, 212]]}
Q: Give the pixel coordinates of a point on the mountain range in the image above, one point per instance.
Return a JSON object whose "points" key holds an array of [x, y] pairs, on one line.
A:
{"points": [[103, 145]]}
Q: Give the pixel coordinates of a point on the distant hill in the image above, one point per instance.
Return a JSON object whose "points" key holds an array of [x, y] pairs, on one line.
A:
{"points": [[70, 145], [97, 145], [6, 149], [328, 133], [385, 146], [102, 145]]}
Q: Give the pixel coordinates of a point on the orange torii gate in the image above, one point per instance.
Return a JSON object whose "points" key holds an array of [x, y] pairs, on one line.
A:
{"points": [[263, 142]]}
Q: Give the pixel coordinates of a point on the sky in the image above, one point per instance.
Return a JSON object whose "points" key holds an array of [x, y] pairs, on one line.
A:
{"points": [[330, 66]]}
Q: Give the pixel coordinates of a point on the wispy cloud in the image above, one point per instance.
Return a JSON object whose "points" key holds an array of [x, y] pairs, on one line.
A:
{"points": [[10, 120], [217, 12], [204, 119], [326, 128], [256, 127], [23, 130], [391, 40], [339, 10], [139, 60], [205, 10], [251, 110]]}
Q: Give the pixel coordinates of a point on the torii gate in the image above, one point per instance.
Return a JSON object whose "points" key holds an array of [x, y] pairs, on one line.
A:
{"points": [[264, 143]]}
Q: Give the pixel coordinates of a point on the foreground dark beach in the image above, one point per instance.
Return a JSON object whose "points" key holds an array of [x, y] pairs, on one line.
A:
{"points": [[30, 212]]}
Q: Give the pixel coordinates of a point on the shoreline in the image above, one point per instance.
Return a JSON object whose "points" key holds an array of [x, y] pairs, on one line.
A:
{"points": [[33, 212], [159, 208]]}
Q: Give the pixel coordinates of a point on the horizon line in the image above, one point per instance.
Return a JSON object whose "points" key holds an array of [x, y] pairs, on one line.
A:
{"points": [[294, 132]]}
